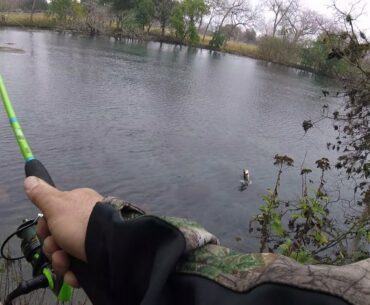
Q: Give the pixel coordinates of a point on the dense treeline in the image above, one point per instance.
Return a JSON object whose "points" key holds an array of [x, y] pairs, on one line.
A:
{"points": [[26, 5], [291, 35]]}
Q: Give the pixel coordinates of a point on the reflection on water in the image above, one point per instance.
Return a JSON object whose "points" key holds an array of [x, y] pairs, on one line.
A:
{"points": [[168, 127]]}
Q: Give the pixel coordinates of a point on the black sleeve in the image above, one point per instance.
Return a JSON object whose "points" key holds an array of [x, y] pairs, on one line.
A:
{"points": [[133, 262], [129, 261]]}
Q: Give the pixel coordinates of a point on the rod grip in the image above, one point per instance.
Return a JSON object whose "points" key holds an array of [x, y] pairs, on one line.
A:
{"points": [[36, 168], [62, 290]]}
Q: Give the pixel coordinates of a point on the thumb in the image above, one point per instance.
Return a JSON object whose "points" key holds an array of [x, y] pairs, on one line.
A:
{"points": [[43, 195]]}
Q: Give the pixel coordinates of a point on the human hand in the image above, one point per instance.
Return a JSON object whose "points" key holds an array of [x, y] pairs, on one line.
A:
{"points": [[64, 225]]}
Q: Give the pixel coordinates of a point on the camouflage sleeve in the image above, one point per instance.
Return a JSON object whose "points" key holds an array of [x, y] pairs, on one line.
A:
{"points": [[242, 272], [195, 235], [126, 209]]}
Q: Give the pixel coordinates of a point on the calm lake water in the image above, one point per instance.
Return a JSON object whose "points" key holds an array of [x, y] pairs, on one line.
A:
{"points": [[167, 127]]}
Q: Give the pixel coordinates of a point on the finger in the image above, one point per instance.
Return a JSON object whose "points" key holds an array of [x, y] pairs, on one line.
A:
{"points": [[88, 192], [42, 229], [71, 279], [60, 262], [43, 195], [50, 246]]}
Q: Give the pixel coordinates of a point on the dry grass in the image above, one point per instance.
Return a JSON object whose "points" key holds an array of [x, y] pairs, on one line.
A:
{"points": [[206, 40], [234, 47], [241, 48], [40, 20]]}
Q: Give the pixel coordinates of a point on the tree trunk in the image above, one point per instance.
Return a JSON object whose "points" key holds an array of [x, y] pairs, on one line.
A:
{"points": [[163, 27], [223, 19], [200, 23], [208, 24], [275, 26], [296, 37], [229, 34], [119, 24], [32, 10]]}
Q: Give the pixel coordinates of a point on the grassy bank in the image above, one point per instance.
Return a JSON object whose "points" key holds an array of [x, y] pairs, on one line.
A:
{"points": [[234, 47], [43, 21], [39, 20]]}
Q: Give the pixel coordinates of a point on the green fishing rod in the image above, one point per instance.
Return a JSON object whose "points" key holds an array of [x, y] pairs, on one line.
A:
{"points": [[43, 275], [33, 167]]}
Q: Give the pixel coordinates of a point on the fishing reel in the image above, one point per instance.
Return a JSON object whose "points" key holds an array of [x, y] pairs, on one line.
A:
{"points": [[42, 272]]}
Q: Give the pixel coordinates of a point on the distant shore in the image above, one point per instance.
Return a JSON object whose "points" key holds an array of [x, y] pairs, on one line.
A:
{"points": [[41, 21]]}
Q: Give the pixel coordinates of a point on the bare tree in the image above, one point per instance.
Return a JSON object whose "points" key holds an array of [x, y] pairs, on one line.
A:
{"points": [[96, 16], [281, 9], [215, 9], [244, 17], [232, 8], [350, 12], [236, 13], [302, 23]]}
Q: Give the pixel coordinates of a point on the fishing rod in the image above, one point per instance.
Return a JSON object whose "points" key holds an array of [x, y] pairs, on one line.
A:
{"points": [[42, 271]]}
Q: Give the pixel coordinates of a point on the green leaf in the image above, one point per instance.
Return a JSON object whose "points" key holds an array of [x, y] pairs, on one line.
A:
{"points": [[303, 256], [321, 238], [295, 216], [285, 248], [277, 226]]}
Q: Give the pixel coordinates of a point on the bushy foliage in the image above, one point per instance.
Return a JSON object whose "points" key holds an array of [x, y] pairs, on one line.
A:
{"points": [[66, 9], [40, 5], [249, 36], [61, 9], [185, 17], [218, 40], [305, 229], [315, 56], [163, 10], [352, 120], [278, 50], [144, 12], [120, 5], [231, 32], [178, 22], [130, 24]]}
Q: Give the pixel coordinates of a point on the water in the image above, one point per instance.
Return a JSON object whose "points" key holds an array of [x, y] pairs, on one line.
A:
{"points": [[165, 127]]}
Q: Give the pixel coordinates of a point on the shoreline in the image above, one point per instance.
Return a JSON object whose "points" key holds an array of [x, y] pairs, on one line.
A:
{"points": [[152, 37]]}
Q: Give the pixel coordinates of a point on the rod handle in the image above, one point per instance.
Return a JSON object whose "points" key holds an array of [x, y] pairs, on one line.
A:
{"points": [[62, 290], [35, 168]]}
